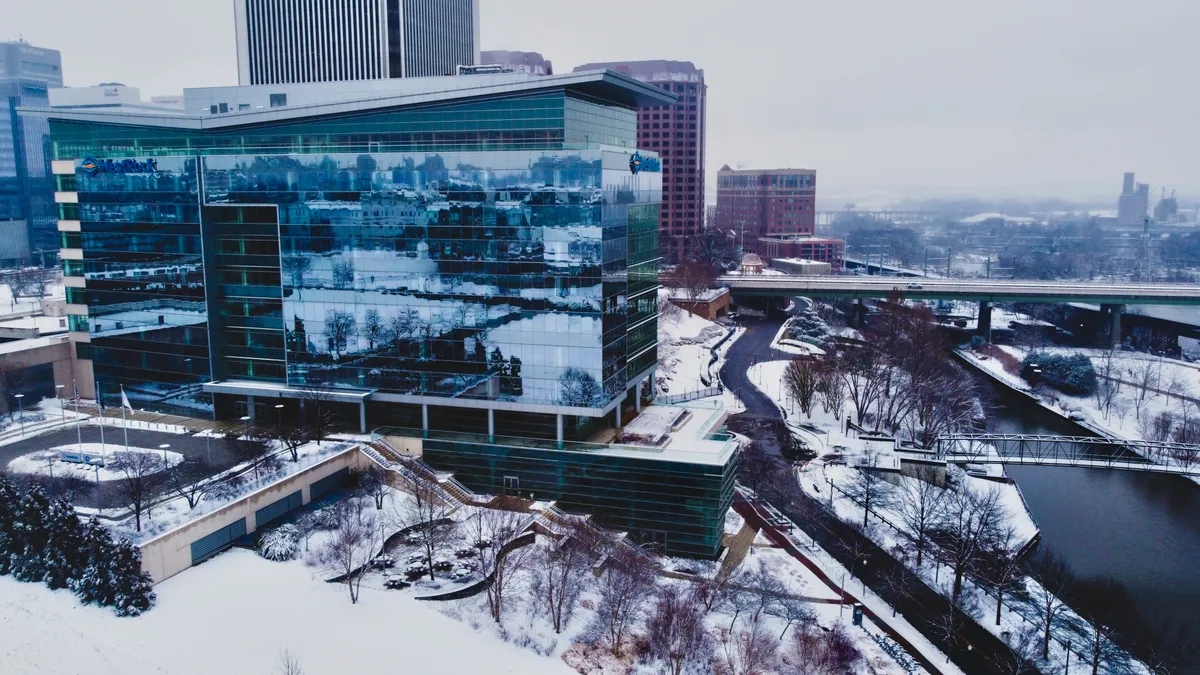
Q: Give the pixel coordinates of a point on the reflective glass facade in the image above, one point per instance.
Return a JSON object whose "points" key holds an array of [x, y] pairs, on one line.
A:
{"points": [[492, 250], [26, 186]]}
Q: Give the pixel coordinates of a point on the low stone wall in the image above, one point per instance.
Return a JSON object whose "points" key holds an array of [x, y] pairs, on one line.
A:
{"points": [[171, 552]]}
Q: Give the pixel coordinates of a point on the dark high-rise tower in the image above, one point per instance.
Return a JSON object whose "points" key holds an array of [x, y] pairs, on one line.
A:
{"points": [[284, 41], [676, 132]]}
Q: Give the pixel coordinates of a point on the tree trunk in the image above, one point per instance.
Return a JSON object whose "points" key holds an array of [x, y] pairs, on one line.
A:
{"points": [[999, 602], [1046, 641]]}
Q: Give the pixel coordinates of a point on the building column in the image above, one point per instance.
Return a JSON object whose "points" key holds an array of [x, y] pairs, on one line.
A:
{"points": [[425, 419], [250, 408], [617, 410], [637, 396], [560, 430], [984, 328], [492, 425], [362, 416], [1114, 326]]}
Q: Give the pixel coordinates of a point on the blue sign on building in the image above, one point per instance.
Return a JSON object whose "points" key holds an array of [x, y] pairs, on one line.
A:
{"points": [[95, 166], [638, 164]]}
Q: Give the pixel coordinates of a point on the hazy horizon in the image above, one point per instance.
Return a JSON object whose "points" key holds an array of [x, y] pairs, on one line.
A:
{"points": [[886, 101]]}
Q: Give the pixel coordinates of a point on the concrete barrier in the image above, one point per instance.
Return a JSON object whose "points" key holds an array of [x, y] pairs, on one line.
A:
{"points": [[170, 553]]}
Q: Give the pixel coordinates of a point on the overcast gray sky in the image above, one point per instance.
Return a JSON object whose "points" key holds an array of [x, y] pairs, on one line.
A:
{"points": [[882, 98]]}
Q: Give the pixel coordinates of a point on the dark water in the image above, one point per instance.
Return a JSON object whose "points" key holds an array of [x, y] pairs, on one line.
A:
{"points": [[1143, 529]]}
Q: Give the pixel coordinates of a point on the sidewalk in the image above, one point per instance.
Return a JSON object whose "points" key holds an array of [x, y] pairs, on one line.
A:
{"points": [[757, 515]]}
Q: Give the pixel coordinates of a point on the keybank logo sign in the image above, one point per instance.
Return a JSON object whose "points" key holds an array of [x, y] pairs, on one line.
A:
{"points": [[92, 166], [638, 164]]}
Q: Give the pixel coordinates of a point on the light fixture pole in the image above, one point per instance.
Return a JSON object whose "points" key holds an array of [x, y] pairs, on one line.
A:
{"points": [[21, 408], [164, 447], [62, 405]]}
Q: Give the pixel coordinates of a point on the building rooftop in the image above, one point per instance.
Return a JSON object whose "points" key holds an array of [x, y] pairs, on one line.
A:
{"points": [[657, 69], [313, 99], [765, 172]]}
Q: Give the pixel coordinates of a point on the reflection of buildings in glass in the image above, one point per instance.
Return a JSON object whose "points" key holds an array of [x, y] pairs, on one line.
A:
{"points": [[484, 269]]}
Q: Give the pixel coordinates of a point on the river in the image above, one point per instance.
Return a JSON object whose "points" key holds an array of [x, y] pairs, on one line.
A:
{"points": [[1142, 529]]}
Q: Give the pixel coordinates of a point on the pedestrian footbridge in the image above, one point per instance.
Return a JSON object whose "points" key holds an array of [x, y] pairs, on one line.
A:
{"points": [[1077, 451]]}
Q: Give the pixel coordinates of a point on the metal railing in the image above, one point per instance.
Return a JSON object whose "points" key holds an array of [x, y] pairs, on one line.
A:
{"points": [[1080, 451]]}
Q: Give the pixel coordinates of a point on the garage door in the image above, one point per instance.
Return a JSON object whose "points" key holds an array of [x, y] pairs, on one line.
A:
{"points": [[328, 484], [277, 510], [218, 541]]}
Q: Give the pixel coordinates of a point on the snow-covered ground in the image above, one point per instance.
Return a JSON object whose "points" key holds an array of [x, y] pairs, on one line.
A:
{"points": [[49, 462], [235, 614], [685, 343]]}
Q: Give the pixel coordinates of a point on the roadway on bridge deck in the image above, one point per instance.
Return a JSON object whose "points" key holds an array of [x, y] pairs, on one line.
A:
{"points": [[961, 289]]}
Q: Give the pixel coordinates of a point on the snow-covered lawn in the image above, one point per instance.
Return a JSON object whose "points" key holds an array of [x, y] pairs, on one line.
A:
{"points": [[234, 614], [685, 348], [49, 462]]}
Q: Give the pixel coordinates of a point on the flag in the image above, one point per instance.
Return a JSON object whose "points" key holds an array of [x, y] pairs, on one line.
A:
{"points": [[125, 400], [76, 398]]}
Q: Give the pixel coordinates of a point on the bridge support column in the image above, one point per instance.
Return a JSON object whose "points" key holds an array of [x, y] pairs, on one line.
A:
{"points": [[859, 311], [985, 320], [1114, 327]]}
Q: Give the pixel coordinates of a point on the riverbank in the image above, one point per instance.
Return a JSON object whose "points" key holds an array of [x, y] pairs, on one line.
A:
{"points": [[1129, 412]]}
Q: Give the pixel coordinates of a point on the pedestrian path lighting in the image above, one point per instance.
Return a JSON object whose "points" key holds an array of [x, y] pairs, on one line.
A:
{"points": [[62, 405], [164, 447], [21, 407]]}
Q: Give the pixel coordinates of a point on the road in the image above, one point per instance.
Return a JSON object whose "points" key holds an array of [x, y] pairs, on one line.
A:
{"points": [[974, 649], [962, 289]]}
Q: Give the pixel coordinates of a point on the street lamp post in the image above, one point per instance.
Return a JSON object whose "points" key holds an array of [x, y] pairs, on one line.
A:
{"points": [[21, 407], [246, 428], [62, 405], [279, 413], [164, 447]]}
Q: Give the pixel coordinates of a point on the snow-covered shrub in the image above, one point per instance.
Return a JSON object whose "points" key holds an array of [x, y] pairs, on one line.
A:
{"points": [[1072, 374], [807, 327], [280, 544], [325, 518]]}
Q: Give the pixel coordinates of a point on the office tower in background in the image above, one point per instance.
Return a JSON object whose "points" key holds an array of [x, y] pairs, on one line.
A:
{"points": [[771, 212], [676, 132], [333, 40], [27, 228]]}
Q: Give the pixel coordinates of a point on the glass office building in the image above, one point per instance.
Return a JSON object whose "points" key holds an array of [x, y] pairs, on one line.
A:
{"points": [[472, 253], [26, 186]]}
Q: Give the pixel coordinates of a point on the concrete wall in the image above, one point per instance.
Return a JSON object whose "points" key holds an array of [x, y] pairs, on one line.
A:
{"points": [[171, 553]]}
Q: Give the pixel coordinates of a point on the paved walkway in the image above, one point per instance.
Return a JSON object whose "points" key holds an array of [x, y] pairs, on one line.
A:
{"points": [[757, 516]]}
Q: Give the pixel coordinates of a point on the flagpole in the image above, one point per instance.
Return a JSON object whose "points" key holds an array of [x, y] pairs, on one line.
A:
{"points": [[125, 424], [78, 427], [100, 406]]}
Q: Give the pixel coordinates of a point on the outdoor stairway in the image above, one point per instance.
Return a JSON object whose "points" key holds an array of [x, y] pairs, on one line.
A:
{"points": [[414, 472]]}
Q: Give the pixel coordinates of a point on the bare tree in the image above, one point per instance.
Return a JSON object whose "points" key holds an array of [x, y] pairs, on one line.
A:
{"points": [[501, 558], [1108, 383], [317, 407], [578, 387], [864, 375], [814, 651], [352, 544], [868, 488], [832, 391], [289, 664], [1022, 654], [560, 569], [693, 279], [971, 522], [343, 273], [920, 502], [295, 267], [339, 330], [676, 634], [190, 479], [624, 588], [1002, 565], [140, 477], [292, 436], [749, 651], [374, 329], [401, 326], [1146, 376], [1046, 597], [756, 465], [250, 448], [373, 483], [791, 609], [426, 514], [800, 379]]}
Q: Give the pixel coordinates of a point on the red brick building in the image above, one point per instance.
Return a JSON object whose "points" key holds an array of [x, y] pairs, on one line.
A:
{"points": [[676, 132], [772, 212]]}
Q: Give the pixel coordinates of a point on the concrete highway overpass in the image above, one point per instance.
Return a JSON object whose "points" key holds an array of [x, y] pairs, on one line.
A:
{"points": [[979, 290]]}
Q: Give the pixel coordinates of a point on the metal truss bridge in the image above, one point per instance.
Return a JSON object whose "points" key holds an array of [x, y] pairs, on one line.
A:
{"points": [[1077, 451]]}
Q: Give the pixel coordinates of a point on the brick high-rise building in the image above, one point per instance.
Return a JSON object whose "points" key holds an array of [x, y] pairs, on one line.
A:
{"points": [[676, 132], [771, 212]]}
